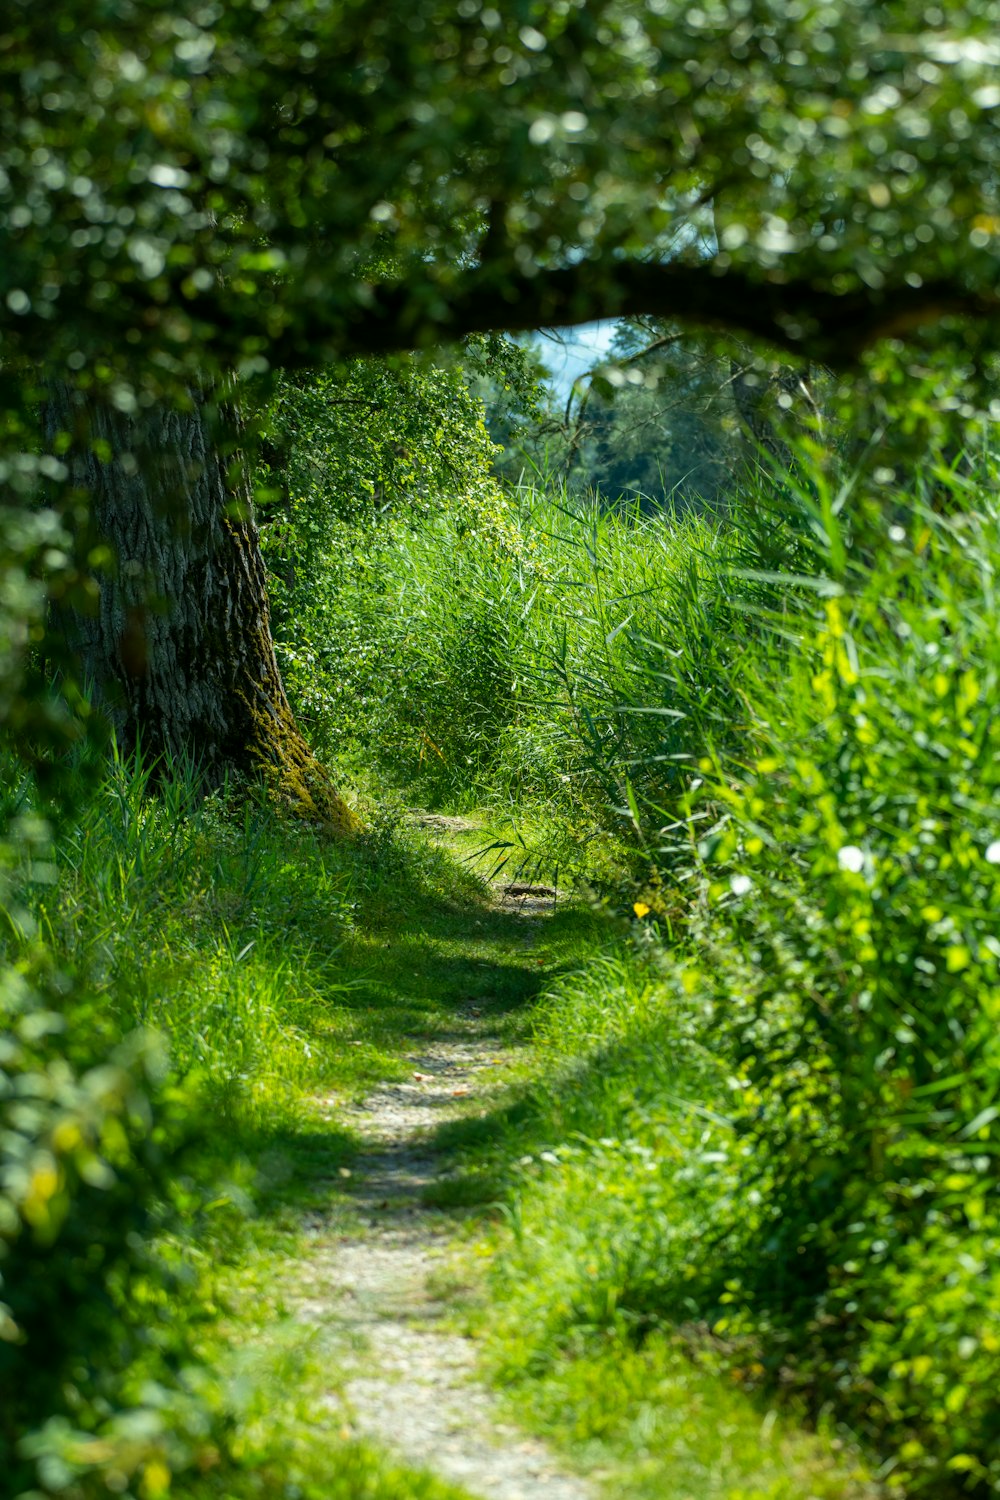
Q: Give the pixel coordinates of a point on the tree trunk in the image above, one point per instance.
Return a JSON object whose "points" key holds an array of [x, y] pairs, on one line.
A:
{"points": [[179, 650]]}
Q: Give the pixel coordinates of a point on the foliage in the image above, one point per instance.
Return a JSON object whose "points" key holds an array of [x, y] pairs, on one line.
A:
{"points": [[507, 658], [651, 421], [783, 1137], [184, 912], [791, 714], [99, 1297], [349, 488], [126, 1171], [188, 192], [775, 1133], [374, 438], [619, 1164], [659, 423], [191, 197], [863, 846], [379, 451]]}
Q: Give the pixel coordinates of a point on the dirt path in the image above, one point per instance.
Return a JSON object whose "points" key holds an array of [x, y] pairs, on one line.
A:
{"points": [[412, 1384]]}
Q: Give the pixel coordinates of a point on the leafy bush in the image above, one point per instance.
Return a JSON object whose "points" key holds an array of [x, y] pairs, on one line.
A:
{"points": [[787, 1136], [97, 1300], [861, 998]]}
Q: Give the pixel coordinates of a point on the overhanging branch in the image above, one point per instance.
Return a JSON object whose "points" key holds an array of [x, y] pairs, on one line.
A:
{"points": [[312, 317], [795, 315]]}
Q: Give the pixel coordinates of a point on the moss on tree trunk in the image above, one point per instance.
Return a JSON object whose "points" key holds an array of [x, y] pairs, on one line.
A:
{"points": [[178, 651]]}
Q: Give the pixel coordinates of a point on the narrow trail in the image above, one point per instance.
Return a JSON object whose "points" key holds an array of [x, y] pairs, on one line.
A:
{"points": [[412, 1385]]}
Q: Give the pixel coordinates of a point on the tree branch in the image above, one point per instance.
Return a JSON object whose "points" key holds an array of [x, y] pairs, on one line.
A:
{"points": [[795, 315], [315, 316]]}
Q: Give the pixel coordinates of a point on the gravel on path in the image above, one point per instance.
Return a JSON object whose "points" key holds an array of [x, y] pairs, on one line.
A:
{"points": [[412, 1386]]}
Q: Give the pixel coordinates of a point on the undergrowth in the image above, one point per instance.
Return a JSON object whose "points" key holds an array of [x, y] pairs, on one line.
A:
{"points": [[191, 983], [777, 1132], [511, 667], [762, 1134], [782, 727]]}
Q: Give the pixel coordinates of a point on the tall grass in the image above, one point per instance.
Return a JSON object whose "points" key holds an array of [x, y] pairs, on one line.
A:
{"points": [[769, 1119], [789, 719], [517, 666], [176, 1000], [204, 918], [825, 1197]]}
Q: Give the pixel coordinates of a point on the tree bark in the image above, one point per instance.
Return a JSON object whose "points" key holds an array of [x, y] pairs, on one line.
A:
{"points": [[179, 651]]}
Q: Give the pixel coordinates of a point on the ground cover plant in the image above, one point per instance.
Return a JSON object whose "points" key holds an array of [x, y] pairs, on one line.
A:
{"points": [[783, 727], [758, 1143], [167, 1036], [786, 1136], [211, 1391]]}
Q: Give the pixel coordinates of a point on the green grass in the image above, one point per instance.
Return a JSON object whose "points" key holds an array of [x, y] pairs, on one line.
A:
{"points": [[275, 961], [379, 947], [288, 975], [777, 734], [512, 668], [653, 1424], [747, 1164], [607, 1166]]}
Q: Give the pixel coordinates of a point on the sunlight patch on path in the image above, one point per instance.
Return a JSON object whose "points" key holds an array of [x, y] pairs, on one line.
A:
{"points": [[412, 1386]]}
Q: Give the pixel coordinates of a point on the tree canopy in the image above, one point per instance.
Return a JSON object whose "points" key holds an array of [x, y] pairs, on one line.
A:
{"points": [[263, 185]]}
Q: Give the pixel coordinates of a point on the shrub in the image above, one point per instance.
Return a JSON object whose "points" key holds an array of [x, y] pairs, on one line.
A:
{"points": [[97, 1300], [853, 964], [786, 1135]]}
